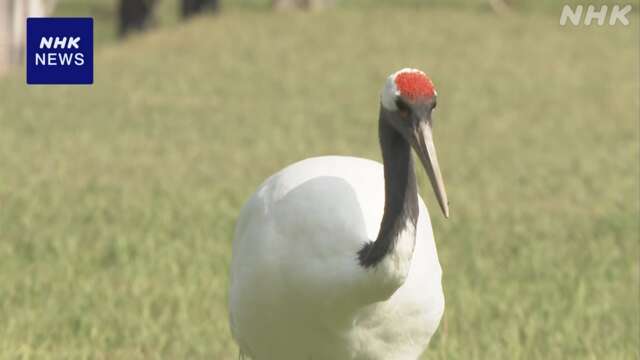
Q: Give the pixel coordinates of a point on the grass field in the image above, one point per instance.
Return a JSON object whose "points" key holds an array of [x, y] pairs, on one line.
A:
{"points": [[118, 201]]}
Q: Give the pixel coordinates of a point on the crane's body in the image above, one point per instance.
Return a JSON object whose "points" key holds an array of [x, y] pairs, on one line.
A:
{"points": [[297, 279], [334, 257]]}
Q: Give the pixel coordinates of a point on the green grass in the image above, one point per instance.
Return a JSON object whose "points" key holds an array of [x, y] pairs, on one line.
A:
{"points": [[118, 201]]}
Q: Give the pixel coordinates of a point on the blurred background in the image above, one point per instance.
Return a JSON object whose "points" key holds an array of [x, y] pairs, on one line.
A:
{"points": [[118, 200]]}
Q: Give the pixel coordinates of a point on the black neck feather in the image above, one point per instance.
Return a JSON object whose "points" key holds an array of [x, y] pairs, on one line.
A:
{"points": [[401, 194]]}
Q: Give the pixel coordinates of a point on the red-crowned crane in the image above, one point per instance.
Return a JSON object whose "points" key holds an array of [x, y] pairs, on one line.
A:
{"points": [[334, 256]]}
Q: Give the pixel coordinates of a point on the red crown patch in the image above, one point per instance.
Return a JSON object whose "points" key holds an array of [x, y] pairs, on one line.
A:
{"points": [[414, 85]]}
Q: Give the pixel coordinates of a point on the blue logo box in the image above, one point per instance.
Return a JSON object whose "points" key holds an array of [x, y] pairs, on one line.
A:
{"points": [[59, 51]]}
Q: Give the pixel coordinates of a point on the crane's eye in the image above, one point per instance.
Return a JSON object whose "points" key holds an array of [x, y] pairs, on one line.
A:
{"points": [[403, 107]]}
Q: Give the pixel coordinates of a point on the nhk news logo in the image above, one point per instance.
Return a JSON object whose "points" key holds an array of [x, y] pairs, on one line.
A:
{"points": [[59, 51]]}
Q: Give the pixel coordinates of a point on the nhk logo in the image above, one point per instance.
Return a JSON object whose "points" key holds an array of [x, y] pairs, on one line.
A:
{"points": [[617, 15], [60, 51]]}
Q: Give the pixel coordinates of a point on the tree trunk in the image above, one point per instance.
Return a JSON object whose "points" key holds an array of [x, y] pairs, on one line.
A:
{"points": [[6, 15], [193, 7]]}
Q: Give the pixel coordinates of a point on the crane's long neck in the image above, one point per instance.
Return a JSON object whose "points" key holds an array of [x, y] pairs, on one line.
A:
{"points": [[401, 198]]}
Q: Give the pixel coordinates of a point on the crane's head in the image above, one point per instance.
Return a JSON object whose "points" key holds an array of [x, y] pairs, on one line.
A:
{"points": [[408, 99]]}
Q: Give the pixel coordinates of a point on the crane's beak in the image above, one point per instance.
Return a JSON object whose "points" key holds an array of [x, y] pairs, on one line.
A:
{"points": [[426, 150]]}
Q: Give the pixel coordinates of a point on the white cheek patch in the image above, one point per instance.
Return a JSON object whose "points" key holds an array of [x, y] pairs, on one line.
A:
{"points": [[390, 93]]}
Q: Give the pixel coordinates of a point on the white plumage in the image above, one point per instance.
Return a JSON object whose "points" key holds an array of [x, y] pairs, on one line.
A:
{"points": [[298, 289]]}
